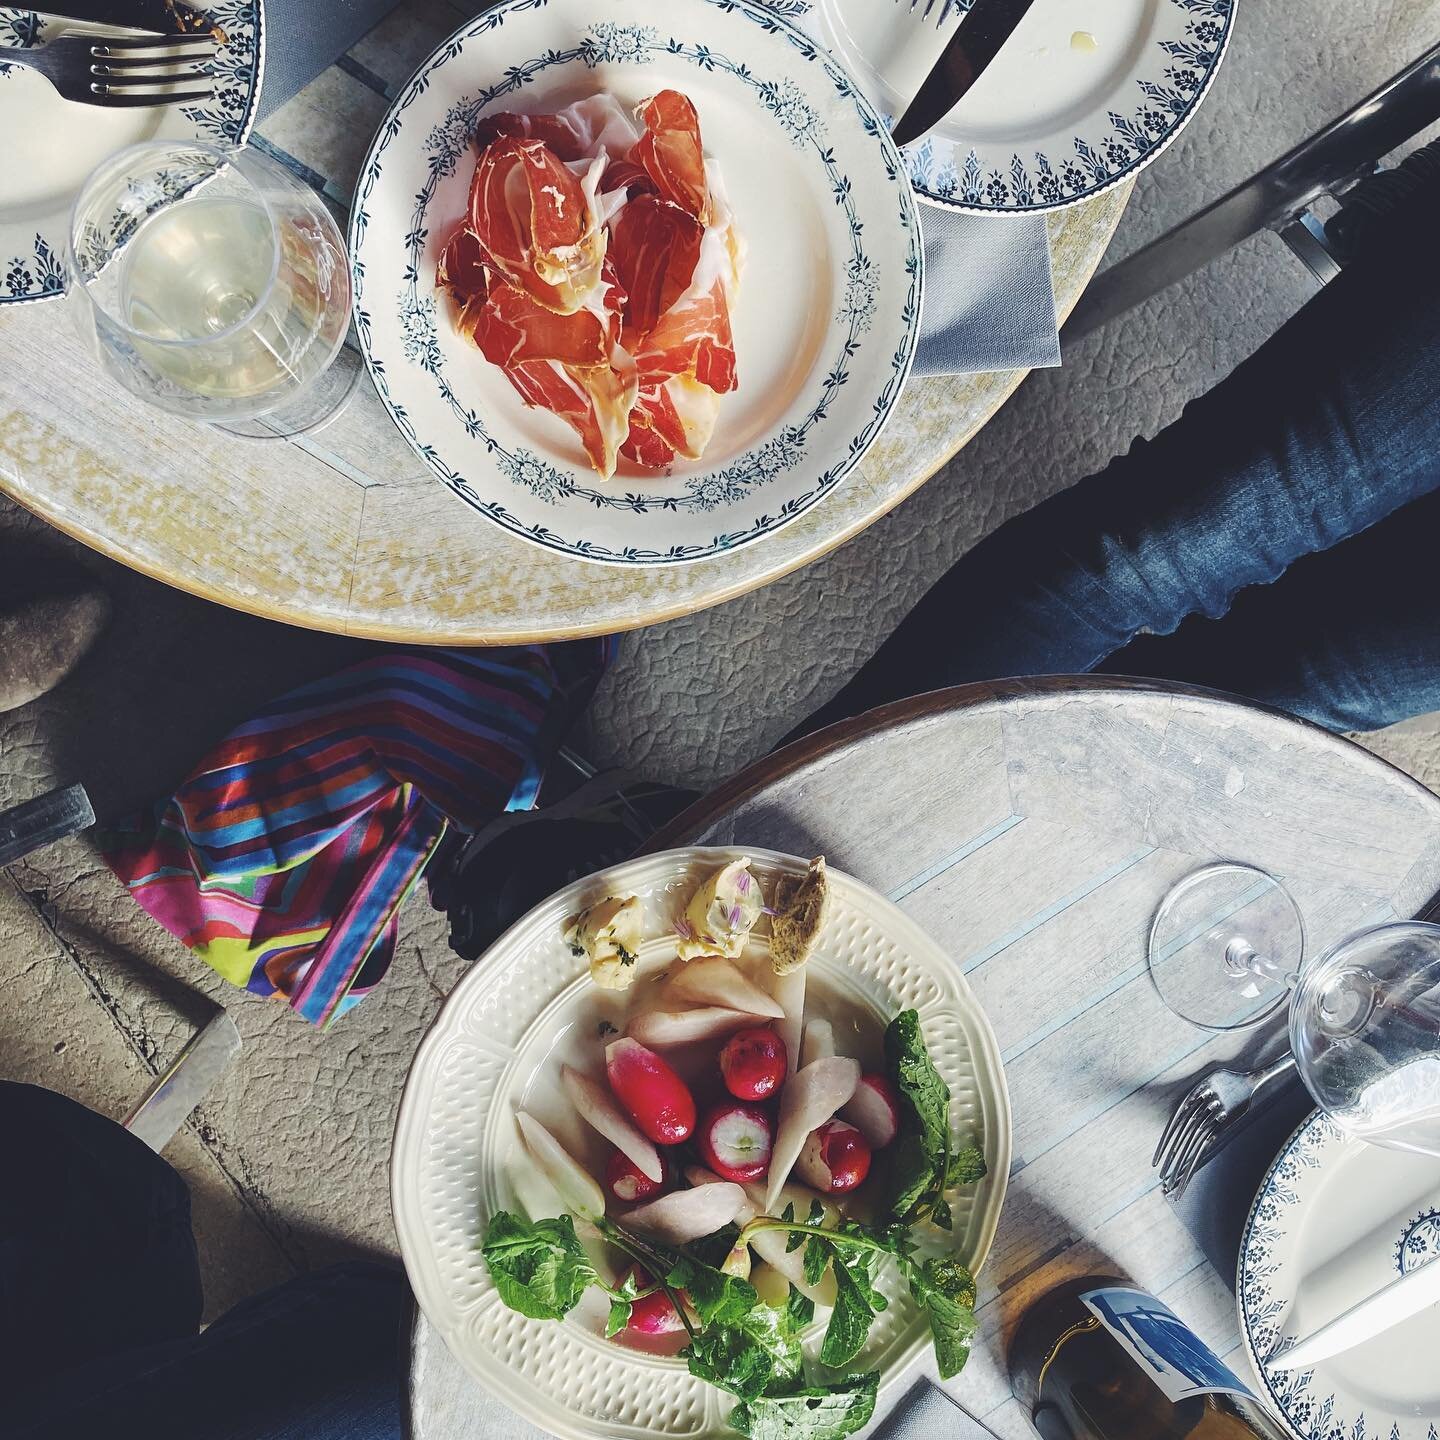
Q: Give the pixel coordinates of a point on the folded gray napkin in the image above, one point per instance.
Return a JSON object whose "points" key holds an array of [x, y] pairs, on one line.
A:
{"points": [[988, 301], [304, 37]]}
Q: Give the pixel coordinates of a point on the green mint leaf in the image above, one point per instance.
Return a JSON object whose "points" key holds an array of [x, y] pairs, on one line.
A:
{"points": [[850, 1321], [813, 1413], [967, 1167], [618, 1319], [713, 1249], [940, 1212], [945, 1290], [730, 1358], [912, 1174], [788, 1213], [817, 1213], [539, 1268], [800, 1307], [717, 1298], [817, 1257], [919, 1162]]}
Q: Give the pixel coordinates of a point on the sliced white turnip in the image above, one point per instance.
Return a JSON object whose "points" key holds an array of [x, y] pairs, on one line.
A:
{"points": [[573, 1183], [714, 980], [598, 1109], [686, 1215], [818, 1041], [663, 1028], [699, 1175], [874, 1110], [814, 1093], [790, 992]]}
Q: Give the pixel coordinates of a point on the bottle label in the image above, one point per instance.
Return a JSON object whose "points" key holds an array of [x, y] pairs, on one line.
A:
{"points": [[1162, 1345]]}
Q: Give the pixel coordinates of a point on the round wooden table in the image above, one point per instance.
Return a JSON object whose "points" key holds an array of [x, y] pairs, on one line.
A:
{"points": [[348, 531], [1031, 827]]}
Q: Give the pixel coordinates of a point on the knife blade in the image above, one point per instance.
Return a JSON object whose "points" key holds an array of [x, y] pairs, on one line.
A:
{"points": [[985, 27], [1413, 1292], [166, 17]]}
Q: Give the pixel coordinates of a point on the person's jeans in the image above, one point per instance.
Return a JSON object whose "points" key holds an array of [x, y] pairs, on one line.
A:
{"points": [[1327, 431], [100, 1306]]}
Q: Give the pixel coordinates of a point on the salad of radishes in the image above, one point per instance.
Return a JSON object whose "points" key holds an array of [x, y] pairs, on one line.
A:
{"points": [[742, 1193]]}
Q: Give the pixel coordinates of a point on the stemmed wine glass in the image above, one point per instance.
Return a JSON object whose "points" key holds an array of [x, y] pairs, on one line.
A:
{"points": [[212, 283], [1226, 948]]}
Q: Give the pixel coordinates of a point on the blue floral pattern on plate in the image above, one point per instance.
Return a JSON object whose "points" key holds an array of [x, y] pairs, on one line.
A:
{"points": [[789, 448], [1182, 62], [35, 270], [1264, 1297]]}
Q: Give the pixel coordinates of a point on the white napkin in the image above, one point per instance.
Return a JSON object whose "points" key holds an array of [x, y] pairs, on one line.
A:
{"points": [[988, 301]]}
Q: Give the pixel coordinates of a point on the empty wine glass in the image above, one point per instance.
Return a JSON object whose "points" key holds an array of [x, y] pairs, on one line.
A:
{"points": [[212, 283], [1227, 948]]}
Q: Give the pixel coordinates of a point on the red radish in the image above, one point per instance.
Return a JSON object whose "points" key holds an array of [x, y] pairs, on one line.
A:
{"points": [[651, 1091], [628, 1183], [874, 1110], [735, 1142], [598, 1109], [653, 1314], [835, 1158], [753, 1064]]}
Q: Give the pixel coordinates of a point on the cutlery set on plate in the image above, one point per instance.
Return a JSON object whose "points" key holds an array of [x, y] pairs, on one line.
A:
{"points": [[121, 71]]}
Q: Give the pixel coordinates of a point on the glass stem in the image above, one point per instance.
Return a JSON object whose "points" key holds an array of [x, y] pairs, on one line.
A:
{"points": [[1242, 958]]}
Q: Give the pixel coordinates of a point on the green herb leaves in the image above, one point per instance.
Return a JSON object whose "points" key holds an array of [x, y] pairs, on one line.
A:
{"points": [[811, 1413], [945, 1290], [921, 1165], [540, 1267]]}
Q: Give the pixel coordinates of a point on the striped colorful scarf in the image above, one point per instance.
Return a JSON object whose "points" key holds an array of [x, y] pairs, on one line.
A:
{"points": [[285, 856]]}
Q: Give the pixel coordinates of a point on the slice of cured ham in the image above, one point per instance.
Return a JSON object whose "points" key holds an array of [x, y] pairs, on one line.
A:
{"points": [[671, 152], [532, 218], [597, 265]]}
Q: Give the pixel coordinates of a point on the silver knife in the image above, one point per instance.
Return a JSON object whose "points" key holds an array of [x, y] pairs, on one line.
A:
{"points": [[984, 28], [1398, 1301]]}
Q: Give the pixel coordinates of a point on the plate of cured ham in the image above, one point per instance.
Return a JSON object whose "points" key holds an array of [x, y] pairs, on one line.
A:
{"points": [[640, 280]]}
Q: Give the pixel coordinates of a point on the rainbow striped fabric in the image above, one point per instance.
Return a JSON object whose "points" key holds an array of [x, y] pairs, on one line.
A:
{"points": [[285, 856]]}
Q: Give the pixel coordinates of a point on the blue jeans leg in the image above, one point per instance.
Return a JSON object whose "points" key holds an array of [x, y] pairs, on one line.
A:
{"points": [[1328, 428]]}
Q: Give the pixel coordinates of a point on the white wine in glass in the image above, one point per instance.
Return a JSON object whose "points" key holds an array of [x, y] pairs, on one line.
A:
{"points": [[213, 284]]}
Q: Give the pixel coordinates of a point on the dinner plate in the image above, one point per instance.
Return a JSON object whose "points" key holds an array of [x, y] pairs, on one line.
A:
{"points": [[52, 145], [1334, 1221], [829, 303], [1084, 94], [527, 1006]]}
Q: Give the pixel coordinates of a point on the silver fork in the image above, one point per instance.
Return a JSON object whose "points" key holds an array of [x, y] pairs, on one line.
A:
{"points": [[1209, 1108], [947, 8], [110, 71]]}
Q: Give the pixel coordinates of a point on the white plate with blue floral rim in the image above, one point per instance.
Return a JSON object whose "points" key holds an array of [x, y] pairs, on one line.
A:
{"points": [[52, 145], [829, 305], [1335, 1220], [1085, 94]]}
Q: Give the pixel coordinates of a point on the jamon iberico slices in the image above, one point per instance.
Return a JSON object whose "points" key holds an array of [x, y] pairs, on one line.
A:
{"points": [[597, 266]]}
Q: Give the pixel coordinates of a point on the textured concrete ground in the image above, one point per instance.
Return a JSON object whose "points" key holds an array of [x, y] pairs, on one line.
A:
{"points": [[288, 1160]]}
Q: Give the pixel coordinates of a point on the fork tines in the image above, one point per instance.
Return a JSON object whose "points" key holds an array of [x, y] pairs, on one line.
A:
{"points": [[947, 8], [135, 70]]}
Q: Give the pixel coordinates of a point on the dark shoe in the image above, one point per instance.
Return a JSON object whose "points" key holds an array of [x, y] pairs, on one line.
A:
{"points": [[43, 638], [489, 880]]}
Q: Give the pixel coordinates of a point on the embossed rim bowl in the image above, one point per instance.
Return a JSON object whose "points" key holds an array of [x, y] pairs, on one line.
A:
{"points": [[62, 143], [1084, 95], [527, 1005], [1333, 1221], [829, 306]]}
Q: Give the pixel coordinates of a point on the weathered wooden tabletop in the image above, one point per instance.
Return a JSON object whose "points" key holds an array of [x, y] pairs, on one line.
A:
{"points": [[1032, 828], [347, 530]]}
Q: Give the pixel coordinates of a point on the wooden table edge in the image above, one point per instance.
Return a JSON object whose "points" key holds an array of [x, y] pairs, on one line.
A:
{"points": [[760, 775]]}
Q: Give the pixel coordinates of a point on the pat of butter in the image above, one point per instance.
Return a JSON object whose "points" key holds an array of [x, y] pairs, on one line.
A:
{"points": [[1084, 40]]}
